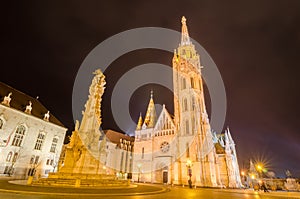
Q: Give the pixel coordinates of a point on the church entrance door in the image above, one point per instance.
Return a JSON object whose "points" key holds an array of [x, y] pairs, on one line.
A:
{"points": [[165, 176]]}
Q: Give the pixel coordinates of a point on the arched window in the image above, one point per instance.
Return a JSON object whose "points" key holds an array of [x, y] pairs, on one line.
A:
{"points": [[183, 83], [19, 135], [9, 155], [143, 152], [54, 144], [1, 123], [192, 83], [193, 103], [187, 150], [36, 161], [32, 159], [15, 157], [185, 105], [187, 128], [39, 141]]}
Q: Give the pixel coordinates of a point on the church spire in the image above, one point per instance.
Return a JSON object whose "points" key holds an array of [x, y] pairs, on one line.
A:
{"points": [[140, 123], [150, 118], [185, 38]]}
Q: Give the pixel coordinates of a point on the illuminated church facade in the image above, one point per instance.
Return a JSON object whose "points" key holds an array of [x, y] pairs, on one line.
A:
{"points": [[182, 148]]}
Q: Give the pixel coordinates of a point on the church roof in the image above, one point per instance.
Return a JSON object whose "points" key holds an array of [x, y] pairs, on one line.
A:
{"points": [[164, 120], [20, 100], [115, 136], [150, 118]]}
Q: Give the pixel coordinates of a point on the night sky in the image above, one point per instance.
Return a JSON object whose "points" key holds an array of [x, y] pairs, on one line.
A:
{"points": [[255, 45]]}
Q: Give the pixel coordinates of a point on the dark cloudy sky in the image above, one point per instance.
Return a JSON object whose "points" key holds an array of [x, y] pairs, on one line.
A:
{"points": [[255, 45]]}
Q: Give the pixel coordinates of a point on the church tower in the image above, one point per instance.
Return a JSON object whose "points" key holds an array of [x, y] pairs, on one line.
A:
{"points": [[182, 149], [190, 115]]}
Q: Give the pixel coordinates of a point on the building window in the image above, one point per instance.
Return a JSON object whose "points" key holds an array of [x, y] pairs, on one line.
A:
{"points": [[31, 172], [53, 145], [36, 161], [187, 150], [192, 83], [32, 159], [15, 157], [187, 129], [183, 83], [39, 141], [19, 135], [185, 105], [193, 103], [1, 123], [143, 152], [6, 170], [9, 155]]}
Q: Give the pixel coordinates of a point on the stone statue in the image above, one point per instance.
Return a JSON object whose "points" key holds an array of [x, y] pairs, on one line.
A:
{"points": [[28, 108], [47, 116], [7, 99]]}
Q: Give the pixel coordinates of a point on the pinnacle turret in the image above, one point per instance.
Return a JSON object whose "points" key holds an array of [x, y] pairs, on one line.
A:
{"points": [[140, 123], [229, 136], [185, 39]]}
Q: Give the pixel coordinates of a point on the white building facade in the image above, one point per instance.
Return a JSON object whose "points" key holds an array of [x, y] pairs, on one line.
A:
{"points": [[182, 149], [30, 137]]}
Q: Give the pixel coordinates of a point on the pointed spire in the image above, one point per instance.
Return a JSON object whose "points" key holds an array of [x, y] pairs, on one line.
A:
{"points": [[150, 118], [140, 123], [185, 39], [227, 144], [215, 138], [226, 138], [229, 136], [252, 168], [222, 141]]}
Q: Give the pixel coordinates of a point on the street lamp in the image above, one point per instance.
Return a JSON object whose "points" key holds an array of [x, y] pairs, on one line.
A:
{"points": [[189, 165], [259, 169], [139, 168], [243, 174]]}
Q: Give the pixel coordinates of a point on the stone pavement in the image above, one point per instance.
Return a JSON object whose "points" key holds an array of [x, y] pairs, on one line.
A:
{"points": [[281, 194], [20, 187], [140, 190]]}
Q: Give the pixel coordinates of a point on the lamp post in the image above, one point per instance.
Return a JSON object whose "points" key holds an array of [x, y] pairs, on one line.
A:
{"points": [[243, 177], [189, 165]]}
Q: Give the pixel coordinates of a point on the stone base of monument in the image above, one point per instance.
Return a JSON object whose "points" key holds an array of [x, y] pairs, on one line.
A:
{"points": [[81, 180]]}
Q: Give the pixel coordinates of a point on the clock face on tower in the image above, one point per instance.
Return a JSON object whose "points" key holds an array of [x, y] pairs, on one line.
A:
{"points": [[164, 147]]}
